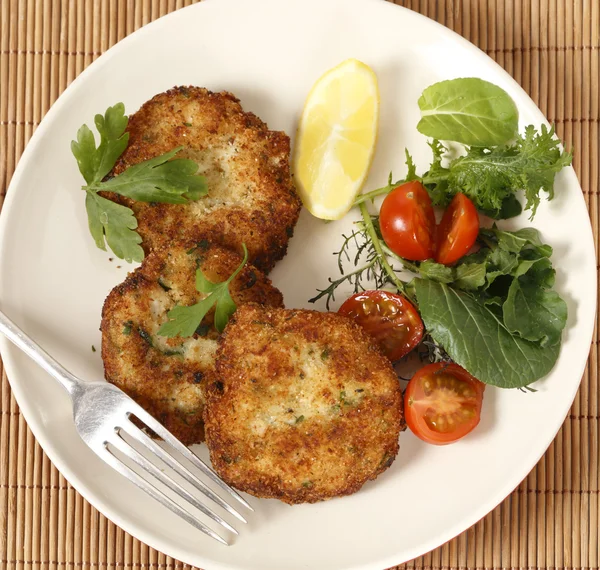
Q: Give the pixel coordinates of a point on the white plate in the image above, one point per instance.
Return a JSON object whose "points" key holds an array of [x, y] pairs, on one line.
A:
{"points": [[53, 280]]}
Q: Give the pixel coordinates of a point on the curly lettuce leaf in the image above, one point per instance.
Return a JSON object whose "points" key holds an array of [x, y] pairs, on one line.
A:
{"points": [[491, 176]]}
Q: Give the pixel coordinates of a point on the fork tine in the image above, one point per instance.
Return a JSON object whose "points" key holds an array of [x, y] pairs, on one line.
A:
{"points": [[157, 494], [145, 440], [153, 470], [158, 428]]}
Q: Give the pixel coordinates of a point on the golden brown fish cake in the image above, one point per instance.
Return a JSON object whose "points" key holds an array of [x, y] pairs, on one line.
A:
{"points": [[305, 407], [251, 198], [166, 376]]}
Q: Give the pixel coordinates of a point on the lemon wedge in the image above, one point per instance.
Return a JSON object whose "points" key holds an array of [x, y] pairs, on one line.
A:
{"points": [[336, 138]]}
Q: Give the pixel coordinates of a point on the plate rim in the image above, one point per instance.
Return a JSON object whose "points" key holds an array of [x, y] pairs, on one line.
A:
{"points": [[7, 350]]}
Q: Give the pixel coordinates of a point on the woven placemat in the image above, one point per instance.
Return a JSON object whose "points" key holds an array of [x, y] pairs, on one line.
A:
{"points": [[551, 47]]}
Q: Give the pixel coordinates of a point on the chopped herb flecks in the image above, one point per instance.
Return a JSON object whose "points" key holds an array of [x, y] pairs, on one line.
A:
{"points": [[145, 336]]}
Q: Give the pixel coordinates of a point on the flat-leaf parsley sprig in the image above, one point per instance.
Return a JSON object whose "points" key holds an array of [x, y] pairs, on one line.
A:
{"points": [[161, 179], [184, 321]]}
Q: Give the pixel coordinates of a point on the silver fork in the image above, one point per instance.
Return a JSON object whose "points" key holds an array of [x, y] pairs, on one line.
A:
{"points": [[102, 416]]}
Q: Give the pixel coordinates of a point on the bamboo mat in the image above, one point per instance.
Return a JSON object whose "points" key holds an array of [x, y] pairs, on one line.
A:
{"points": [[551, 47]]}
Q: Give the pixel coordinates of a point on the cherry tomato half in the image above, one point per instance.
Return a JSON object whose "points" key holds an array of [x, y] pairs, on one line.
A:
{"points": [[457, 231], [442, 403], [408, 223], [390, 318]]}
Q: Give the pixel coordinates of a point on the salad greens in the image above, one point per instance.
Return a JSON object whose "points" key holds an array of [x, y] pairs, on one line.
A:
{"points": [[494, 312], [476, 339], [160, 179], [185, 321], [500, 297], [491, 176], [490, 173], [469, 111], [513, 276], [497, 301]]}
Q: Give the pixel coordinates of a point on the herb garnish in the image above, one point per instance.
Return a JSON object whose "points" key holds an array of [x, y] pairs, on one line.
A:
{"points": [[184, 321], [160, 179]]}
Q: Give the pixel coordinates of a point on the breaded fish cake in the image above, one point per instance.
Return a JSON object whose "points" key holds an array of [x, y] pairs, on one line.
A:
{"points": [[166, 376], [251, 198], [305, 407]]}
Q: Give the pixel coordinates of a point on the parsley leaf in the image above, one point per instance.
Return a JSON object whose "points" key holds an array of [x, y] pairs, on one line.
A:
{"points": [[95, 163], [158, 179], [183, 321], [116, 223], [161, 179]]}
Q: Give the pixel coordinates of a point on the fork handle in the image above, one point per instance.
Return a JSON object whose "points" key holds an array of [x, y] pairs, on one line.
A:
{"points": [[13, 333]]}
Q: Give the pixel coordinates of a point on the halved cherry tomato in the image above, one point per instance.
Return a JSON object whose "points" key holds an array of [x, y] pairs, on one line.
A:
{"points": [[442, 403], [407, 222], [457, 231], [390, 318]]}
